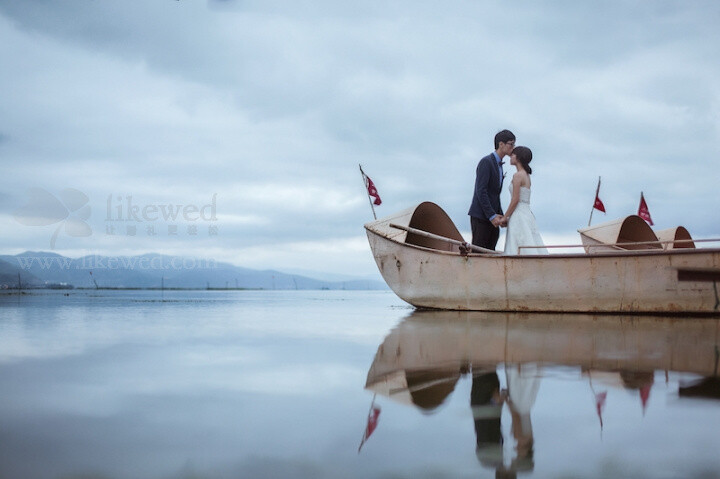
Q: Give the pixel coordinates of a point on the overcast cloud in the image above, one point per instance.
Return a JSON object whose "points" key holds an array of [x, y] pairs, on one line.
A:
{"points": [[271, 105]]}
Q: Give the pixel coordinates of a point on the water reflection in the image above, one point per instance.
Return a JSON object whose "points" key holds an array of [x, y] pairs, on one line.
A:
{"points": [[421, 361]]}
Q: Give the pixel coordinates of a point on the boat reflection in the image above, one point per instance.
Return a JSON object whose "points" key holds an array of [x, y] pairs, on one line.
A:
{"points": [[422, 359]]}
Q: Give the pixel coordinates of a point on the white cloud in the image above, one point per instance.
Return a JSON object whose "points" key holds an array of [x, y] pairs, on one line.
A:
{"points": [[272, 105]]}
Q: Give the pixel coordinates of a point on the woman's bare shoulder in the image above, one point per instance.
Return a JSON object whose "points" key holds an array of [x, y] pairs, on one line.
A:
{"points": [[524, 178], [521, 177]]}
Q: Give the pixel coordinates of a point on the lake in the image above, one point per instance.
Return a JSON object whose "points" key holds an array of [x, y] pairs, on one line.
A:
{"points": [[265, 384]]}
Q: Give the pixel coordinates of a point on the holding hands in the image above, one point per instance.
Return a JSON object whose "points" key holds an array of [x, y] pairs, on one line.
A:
{"points": [[500, 221]]}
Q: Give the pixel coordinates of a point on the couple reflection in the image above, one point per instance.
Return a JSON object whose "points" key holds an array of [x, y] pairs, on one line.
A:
{"points": [[428, 389], [487, 400]]}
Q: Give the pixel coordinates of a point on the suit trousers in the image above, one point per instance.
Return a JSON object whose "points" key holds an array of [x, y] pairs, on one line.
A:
{"points": [[484, 233]]}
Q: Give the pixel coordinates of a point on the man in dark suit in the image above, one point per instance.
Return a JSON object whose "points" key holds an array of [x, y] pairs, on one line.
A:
{"points": [[486, 215]]}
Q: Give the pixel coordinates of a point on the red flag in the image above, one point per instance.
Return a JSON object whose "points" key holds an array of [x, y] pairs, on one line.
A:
{"points": [[599, 204], [645, 395], [372, 423], [372, 191], [643, 211]]}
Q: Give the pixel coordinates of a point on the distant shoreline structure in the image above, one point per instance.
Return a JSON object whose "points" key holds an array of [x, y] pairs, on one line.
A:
{"points": [[68, 291], [43, 270]]}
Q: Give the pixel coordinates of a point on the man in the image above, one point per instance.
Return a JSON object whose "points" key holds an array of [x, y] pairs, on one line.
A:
{"points": [[486, 401], [486, 215]]}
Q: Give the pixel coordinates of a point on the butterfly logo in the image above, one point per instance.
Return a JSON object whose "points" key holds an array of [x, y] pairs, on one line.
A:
{"points": [[70, 209]]}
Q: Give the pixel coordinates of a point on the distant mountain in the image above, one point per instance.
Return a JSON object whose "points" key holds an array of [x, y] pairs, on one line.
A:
{"points": [[324, 276], [11, 276], [155, 271]]}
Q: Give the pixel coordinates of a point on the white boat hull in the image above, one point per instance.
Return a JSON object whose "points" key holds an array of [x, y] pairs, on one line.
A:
{"points": [[624, 281]]}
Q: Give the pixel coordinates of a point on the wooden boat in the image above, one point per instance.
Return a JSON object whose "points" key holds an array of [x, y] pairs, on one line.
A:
{"points": [[421, 360], [424, 259]]}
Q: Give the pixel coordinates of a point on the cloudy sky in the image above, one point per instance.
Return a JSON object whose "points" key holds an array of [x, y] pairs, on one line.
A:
{"points": [[269, 107]]}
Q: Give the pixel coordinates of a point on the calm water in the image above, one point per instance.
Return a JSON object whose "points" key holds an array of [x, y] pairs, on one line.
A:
{"points": [[279, 384]]}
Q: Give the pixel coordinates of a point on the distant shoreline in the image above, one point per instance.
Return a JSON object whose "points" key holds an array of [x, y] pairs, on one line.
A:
{"points": [[16, 291]]}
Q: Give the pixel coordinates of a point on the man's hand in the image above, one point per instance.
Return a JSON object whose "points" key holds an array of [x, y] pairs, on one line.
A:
{"points": [[497, 221]]}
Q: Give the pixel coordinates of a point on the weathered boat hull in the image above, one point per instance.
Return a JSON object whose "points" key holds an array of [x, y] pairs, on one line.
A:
{"points": [[623, 281]]}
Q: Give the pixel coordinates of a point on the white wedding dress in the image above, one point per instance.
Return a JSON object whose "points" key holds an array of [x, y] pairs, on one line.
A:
{"points": [[521, 228]]}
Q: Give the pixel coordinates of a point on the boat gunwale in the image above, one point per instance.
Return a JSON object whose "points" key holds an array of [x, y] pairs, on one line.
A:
{"points": [[607, 254]]}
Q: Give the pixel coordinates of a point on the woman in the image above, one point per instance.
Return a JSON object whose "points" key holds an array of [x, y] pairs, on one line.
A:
{"points": [[521, 228]]}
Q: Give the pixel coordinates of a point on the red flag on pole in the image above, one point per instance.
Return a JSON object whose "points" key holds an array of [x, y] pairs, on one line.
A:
{"points": [[372, 423], [643, 211], [598, 203], [372, 191]]}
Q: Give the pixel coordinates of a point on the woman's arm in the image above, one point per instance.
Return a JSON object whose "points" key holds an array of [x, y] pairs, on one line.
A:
{"points": [[516, 182]]}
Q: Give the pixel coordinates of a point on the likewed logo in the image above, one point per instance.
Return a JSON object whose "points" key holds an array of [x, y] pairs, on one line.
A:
{"points": [[70, 209], [123, 209]]}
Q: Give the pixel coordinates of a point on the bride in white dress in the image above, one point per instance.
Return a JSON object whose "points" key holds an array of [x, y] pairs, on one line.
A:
{"points": [[521, 227]]}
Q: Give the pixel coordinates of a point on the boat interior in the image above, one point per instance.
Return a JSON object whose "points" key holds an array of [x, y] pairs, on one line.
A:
{"points": [[630, 233], [633, 233], [677, 237], [431, 218], [635, 230]]}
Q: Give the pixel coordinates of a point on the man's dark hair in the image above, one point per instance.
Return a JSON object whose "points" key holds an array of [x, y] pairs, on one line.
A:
{"points": [[504, 137]]}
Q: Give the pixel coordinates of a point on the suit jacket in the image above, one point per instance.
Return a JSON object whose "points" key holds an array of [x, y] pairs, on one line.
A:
{"points": [[488, 184]]}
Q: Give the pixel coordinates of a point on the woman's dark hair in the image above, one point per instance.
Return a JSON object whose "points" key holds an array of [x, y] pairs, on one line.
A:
{"points": [[524, 156]]}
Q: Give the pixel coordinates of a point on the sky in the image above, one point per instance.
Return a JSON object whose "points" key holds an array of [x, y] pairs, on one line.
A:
{"points": [[248, 119]]}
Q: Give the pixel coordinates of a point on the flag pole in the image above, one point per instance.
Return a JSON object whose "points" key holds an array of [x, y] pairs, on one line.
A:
{"points": [[372, 207], [597, 192]]}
